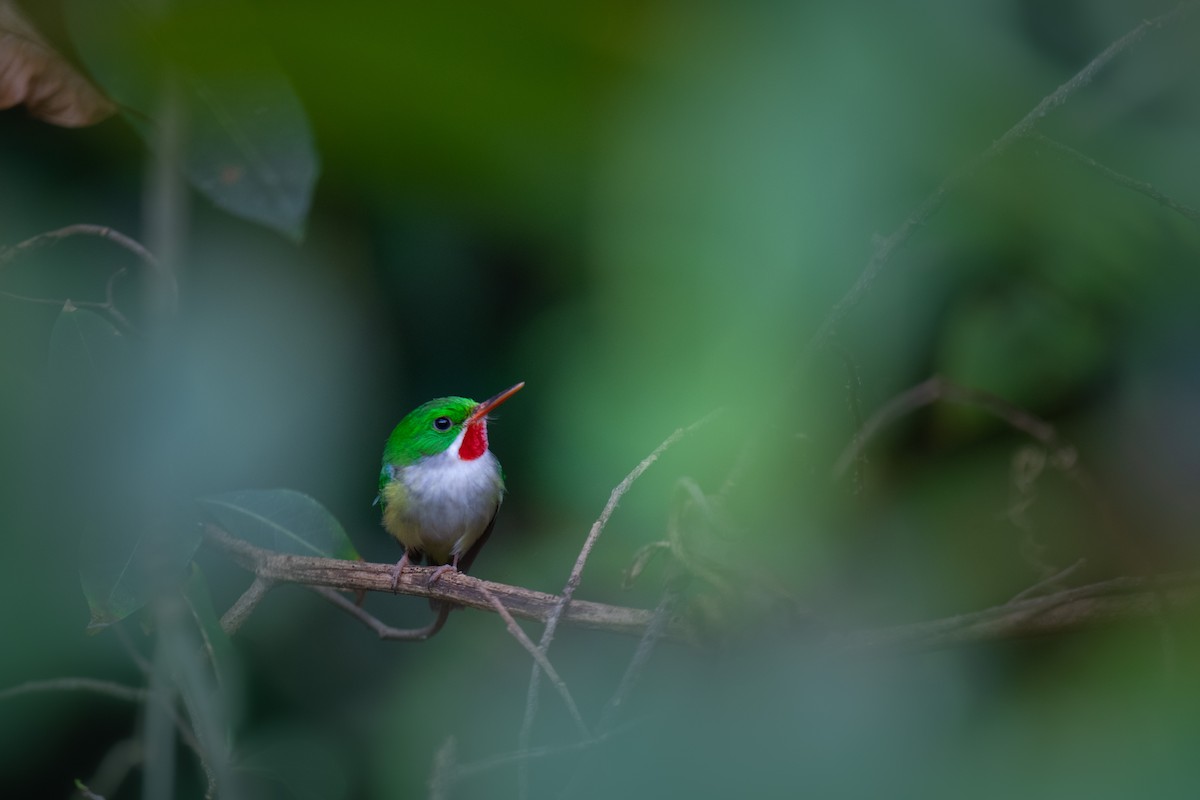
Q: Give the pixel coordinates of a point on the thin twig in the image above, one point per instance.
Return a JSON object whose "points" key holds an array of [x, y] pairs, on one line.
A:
{"points": [[119, 320], [1123, 180], [886, 246], [109, 305], [1063, 455], [132, 694], [598, 526], [637, 664], [633, 672], [237, 614], [936, 389], [614, 498], [1072, 609], [381, 628], [147, 669], [1054, 580], [540, 659], [443, 773], [83, 229], [206, 641]]}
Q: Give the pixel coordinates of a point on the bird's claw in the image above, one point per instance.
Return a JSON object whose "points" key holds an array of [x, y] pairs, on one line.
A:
{"points": [[396, 570], [439, 572]]}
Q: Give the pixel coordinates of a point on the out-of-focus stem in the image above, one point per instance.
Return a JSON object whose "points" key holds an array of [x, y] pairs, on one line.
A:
{"points": [[165, 201]]}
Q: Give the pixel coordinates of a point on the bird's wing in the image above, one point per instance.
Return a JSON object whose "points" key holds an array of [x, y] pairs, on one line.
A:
{"points": [[386, 473], [464, 562]]}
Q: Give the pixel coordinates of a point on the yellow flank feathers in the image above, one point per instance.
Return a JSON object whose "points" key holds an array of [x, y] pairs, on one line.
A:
{"points": [[395, 521]]}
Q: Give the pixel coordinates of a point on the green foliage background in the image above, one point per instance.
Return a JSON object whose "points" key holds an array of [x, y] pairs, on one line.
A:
{"points": [[645, 211]]}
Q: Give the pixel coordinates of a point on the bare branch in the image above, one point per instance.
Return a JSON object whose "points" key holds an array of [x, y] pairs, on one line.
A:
{"points": [[453, 587], [108, 305], [938, 388], [540, 658], [614, 498], [1062, 455], [1116, 600], [1110, 601], [232, 620], [82, 229]]}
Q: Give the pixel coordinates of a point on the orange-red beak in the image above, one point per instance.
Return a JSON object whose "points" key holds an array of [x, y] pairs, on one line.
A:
{"points": [[484, 408]]}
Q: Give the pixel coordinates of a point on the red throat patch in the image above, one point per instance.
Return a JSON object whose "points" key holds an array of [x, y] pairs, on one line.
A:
{"points": [[474, 443]]}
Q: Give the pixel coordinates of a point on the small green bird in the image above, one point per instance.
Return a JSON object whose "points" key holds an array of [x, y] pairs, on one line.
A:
{"points": [[440, 486]]}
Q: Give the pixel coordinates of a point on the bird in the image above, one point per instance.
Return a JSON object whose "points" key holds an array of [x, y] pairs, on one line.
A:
{"points": [[440, 487]]}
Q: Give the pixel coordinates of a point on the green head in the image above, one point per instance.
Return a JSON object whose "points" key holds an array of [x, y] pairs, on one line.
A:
{"points": [[433, 427]]}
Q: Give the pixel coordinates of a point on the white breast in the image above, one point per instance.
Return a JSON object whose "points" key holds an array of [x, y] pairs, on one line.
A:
{"points": [[450, 501]]}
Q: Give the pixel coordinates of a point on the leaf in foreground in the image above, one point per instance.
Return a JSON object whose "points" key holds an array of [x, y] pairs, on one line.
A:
{"points": [[247, 142], [34, 74], [122, 567], [280, 519]]}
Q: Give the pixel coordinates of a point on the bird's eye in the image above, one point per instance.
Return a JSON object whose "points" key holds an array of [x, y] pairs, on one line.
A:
{"points": [[442, 424]]}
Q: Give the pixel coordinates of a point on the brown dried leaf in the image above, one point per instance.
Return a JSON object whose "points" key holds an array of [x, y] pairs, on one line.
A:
{"points": [[33, 73]]}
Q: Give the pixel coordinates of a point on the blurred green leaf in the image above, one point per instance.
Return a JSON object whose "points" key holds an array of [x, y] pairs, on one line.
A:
{"points": [[247, 143], [85, 346], [251, 151], [1024, 345], [281, 519], [123, 566]]}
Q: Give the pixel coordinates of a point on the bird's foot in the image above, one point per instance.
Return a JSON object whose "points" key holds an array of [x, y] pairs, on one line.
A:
{"points": [[439, 572], [396, 570]]}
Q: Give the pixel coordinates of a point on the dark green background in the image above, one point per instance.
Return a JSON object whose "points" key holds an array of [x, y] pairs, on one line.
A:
{"points": [[644, 211]]}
